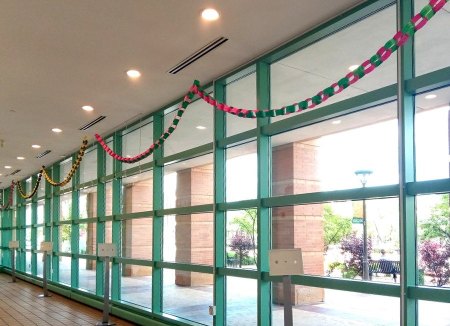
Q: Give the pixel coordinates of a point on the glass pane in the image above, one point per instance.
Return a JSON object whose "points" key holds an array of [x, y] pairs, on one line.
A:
{"points": [[88, 236], [432, 134], [40, 212], [189, 182], [241, 94], [138, 192], [188, 295], [28, 262], [108, 199], [88, 202], [40, 236], [28, 238], [137, 141], [241, 172], [316, 306], [65, 231], [433, 239], [87, 275], [434, 313], [189, 238], [431, 45], [326, 155], [88, 166], [40, 264], [108, 232], [242, 235], [137, 238], [136, 285], [64, 269], [65, 208], [331, 236], [28, 214], [64, 170], [305, 73], [195, 128], [241, 302]]}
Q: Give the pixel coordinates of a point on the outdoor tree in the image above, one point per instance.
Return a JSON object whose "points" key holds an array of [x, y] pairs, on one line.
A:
{"points": [[335, 226], [434, 256], [352, 248], [437, 226], [241, 244], [247, 224]]}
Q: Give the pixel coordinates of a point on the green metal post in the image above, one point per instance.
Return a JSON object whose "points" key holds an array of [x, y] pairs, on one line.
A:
{"points": [[75, 234], [158, 203], [219, 215], [116, 225], [264, 178], [55, 229], [33, 228], [406, 112], [101, 211]]}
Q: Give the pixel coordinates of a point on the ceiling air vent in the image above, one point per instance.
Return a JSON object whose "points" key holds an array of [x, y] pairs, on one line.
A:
{"points": [[197, 55], [15, 172], [93, 122], [43, 153]]}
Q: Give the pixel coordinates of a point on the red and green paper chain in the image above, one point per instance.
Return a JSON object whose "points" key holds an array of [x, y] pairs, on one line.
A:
{"points": [[181, 108], [400, 38]]}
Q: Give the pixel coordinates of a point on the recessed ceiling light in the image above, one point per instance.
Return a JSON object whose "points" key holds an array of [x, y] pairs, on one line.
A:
{"points": [[200, 127], [56, 130], [87, 108], [336, 122], [132, 73], [20, 157], [36, 146], [430, 96], [210, 14], [353, 67], [7, 166]]}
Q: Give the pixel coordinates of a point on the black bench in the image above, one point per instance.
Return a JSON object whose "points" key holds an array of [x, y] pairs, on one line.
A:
{"points": [[384, 266]]}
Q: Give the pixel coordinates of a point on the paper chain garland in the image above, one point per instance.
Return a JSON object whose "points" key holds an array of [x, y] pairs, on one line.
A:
{"points": [[181, 108], [72, 171], [398, 40]]}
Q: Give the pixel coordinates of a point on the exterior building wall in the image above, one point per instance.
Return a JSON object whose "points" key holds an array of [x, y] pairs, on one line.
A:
{"points": [[294, 172], [193, 233]]}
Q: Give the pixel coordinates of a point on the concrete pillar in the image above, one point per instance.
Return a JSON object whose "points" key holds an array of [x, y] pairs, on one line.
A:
{"points": [[137, 233], [295, 172], [194, 234]]}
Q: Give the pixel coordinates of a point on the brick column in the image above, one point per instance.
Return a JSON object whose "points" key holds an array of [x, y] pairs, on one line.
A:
{"points": [[194, 233], [295, 172], [137, 233]]}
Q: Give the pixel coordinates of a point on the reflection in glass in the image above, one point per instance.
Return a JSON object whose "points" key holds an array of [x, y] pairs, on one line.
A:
{"points": [[432, 135], [241, 172], [325, 156]]}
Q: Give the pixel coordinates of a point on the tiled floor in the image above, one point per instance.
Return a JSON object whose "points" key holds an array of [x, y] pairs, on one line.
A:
{"points": [[20, 305]]}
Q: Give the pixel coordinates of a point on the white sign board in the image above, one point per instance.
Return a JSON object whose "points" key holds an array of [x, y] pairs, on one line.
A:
{"points": [[285, 262], [13, 244], [106, 250], [46, 246]]}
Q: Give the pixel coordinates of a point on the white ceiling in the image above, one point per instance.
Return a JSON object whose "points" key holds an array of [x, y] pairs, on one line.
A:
{"points": [[57, 56]]}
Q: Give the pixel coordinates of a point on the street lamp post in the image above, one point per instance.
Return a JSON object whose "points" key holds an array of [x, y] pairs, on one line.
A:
{"points": [[363, 175]]}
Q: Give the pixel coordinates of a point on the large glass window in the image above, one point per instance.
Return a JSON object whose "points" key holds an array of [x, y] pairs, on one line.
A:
{"points": [[241, 172], [88, 166], [136, 285], [310, 70]]}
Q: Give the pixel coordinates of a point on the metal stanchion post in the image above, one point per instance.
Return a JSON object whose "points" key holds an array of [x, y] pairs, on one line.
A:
{"points": [[44, 276], [288, 320], [106, 250], [13, 265]]}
